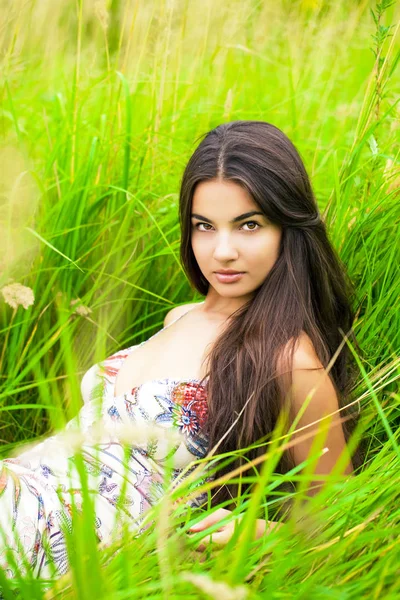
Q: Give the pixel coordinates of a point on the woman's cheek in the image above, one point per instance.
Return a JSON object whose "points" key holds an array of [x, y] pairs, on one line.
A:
{"points": [[200, 251]]}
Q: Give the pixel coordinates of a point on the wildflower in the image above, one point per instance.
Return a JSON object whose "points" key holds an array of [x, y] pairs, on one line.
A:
{"points": [[228, 103], [144, 433], [81, 309], [16, 295], [100, 9], [215, 589], [392, 174], [126, 433]]}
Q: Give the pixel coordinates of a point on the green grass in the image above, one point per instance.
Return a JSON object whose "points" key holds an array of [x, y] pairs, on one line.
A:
{"points": [[100, 109]]}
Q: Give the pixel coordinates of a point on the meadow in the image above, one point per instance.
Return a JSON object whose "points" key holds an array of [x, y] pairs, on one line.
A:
{"points": [[101, 105]]}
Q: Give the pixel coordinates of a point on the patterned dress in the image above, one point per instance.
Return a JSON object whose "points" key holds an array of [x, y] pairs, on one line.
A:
{"points": [[36, 487]]}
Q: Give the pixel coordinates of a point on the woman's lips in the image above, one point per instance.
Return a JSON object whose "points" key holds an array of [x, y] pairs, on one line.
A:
{"points": [[228, 277]]}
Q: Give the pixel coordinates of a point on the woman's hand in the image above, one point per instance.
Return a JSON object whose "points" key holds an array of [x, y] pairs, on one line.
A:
{"points": [[225, 532]]}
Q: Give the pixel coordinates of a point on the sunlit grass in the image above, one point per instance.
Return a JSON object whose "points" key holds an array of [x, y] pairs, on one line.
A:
{"points": [[101, 104]]}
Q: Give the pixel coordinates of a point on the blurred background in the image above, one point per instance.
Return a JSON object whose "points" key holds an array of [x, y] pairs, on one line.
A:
{"points": [[101, 105]]}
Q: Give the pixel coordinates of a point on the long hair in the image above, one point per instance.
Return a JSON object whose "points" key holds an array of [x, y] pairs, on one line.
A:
{"points": [[307, 289]]}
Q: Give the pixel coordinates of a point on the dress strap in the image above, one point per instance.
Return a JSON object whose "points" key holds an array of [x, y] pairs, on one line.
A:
{"points": [[177, 318]]}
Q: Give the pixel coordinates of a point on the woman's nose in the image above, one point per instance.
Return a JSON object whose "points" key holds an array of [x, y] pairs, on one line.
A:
{"points": [[224, 249]]}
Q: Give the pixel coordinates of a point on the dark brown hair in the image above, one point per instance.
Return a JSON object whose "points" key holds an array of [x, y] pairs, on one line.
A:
{"points": [[306, 290]]}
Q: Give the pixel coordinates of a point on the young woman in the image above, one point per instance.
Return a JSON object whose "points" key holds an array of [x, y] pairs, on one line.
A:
{"points": [[276, 308]]}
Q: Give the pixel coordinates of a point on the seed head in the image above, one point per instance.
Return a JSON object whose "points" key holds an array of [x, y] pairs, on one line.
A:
{"points": [[16, 295], [81, 309]]}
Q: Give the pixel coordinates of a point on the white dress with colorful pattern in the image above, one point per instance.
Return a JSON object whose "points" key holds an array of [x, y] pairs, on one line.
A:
{"points": [[36, 486]]}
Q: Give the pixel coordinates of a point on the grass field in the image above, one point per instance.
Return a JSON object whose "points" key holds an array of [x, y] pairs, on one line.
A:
{"points": [[101, 104]]}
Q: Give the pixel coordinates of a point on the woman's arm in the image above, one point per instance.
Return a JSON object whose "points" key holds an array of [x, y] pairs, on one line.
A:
{"points": [[308, 378]]}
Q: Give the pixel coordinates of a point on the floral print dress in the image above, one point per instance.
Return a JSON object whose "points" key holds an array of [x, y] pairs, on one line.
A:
{"points": [[39, 486]]}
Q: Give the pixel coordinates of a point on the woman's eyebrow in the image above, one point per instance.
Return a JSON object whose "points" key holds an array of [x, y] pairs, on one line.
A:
{"points": [[235, 220]]}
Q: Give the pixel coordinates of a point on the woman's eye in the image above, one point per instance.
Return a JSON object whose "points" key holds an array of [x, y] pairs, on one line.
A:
{"points": [[253, 223], [197, 225]]}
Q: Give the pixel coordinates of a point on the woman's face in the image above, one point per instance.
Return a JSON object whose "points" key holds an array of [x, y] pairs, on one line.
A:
{"points": [[223, 238]]}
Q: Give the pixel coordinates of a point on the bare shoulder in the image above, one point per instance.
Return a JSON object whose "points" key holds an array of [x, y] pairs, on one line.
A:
{"points": [[308, 375], [178, 311], [304, 355]]}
